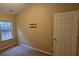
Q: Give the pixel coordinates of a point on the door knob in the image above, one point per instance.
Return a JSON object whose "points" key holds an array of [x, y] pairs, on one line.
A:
{"points": [[55, 39]]}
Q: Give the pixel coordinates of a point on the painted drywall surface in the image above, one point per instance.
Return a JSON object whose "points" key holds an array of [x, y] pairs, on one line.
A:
{"points": [[39, 37], [8, 42], [41, 14]]}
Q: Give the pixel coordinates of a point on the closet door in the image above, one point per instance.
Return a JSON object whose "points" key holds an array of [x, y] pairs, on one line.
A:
{"points": [[65, 33]]}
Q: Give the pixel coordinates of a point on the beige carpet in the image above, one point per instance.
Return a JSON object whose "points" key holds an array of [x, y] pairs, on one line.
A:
{"points": [[19, 50]]}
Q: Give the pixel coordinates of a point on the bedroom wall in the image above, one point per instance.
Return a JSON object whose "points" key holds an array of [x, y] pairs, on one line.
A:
{"points": [[39, 37], [41, 14]]}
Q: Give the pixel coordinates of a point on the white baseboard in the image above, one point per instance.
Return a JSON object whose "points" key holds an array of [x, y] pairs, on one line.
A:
{"points": [[8, 46], [38, 50]]}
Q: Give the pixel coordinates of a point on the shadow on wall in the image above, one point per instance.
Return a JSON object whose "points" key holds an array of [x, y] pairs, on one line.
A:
{"points": [[22, 38]]}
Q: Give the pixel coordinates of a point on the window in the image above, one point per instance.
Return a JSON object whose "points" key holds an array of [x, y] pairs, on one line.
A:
{"points": [[6, 32]]}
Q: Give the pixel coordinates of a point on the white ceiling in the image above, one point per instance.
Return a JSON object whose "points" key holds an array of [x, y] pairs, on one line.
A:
{"points": [[12, 8]]}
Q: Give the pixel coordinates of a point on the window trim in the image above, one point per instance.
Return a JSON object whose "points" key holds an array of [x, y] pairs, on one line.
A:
{"points": [[7, 20]]}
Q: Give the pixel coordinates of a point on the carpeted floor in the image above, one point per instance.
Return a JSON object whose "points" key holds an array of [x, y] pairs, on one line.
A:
{"points": [[19, 50]]}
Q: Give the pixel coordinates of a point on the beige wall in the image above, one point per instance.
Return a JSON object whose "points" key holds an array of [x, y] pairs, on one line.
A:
{"points": [[42, 14], [39, 37], [3, 44]]}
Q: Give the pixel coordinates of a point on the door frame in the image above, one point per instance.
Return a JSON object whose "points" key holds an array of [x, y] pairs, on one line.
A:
{"points": [[77, 28]]}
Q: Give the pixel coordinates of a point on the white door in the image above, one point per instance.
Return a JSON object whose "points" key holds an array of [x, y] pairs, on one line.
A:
{"points": [[65, 33]]}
